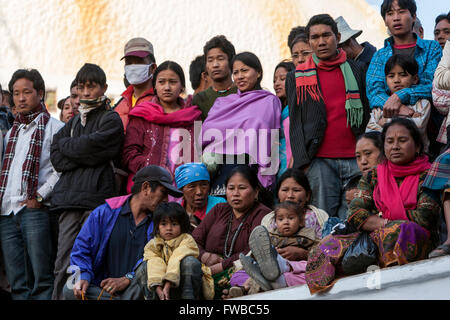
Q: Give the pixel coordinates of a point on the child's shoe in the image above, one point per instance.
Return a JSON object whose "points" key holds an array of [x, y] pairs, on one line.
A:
{"points": [[252, 269], [264, 253]]}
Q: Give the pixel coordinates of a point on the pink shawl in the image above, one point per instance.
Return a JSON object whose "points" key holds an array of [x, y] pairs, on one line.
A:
{"points": [[391, 200]]}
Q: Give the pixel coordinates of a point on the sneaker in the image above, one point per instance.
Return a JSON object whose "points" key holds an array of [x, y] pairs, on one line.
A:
{"points": [[264, 253], [252, 269]]}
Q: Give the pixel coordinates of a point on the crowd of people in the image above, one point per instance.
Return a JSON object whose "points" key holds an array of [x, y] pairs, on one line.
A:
{"points": [[233, 190]]}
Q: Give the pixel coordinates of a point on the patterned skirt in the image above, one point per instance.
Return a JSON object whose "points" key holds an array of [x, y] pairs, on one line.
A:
{"points": [[222, 281], [400, 242]]}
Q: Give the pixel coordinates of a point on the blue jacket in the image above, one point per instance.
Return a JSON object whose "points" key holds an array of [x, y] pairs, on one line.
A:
{"points": [[89, 249], [428, 53]]}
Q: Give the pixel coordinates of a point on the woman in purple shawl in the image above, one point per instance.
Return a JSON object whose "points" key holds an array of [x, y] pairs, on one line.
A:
{"points": [[243, 127]]}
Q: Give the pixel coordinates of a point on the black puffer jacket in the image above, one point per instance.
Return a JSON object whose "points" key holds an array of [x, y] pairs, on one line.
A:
{"points": [[307, 122], [84, 160]]}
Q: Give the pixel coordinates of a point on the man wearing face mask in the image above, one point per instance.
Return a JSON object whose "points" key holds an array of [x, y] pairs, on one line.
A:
{"points": [[139, 67]]}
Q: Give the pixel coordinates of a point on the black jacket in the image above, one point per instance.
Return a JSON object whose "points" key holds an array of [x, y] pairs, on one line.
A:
{"points": [[307, 123], [84, 160], [367, 54]]}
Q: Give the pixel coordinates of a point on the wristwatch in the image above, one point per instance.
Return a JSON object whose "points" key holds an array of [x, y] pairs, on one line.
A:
{"points": [[129, 276], [39, 198]]}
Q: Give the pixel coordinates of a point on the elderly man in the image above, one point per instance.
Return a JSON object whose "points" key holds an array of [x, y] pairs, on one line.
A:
{"points": [[359, 52], [109, 248]]}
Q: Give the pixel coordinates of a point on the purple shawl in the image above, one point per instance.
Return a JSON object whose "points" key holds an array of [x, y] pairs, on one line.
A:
{"points": [[256, 113]]}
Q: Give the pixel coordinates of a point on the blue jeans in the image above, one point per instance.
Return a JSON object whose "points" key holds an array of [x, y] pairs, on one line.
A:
{"points": [[28, 252], [327, 178]]}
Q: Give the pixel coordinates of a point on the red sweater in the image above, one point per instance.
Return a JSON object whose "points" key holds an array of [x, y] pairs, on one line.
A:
{"points": [[339, 141]]}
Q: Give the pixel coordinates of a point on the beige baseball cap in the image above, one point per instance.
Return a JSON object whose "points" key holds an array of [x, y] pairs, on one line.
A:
{"points": [[138, 47]]}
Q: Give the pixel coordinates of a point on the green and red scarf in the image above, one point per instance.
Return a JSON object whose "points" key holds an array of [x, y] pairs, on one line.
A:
{"points": [[307, 84]]}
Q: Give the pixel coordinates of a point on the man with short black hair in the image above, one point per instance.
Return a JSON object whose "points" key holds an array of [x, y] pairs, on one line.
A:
{"points": [[359, 52], [109, 248], [218, 55], [328, 111], [200, 80], [74, 97], [442, 29], [26, 182], [140, 64], [399, 16], [83, 152]]}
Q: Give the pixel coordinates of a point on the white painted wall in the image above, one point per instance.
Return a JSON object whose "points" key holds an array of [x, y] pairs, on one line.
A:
{"points": [[423, 280], [58, 36]]}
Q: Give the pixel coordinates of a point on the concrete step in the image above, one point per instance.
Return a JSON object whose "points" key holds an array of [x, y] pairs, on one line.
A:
{"points": [[424, 280]]}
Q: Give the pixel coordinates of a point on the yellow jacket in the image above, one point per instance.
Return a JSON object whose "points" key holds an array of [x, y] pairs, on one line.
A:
{"points": [[163, 262]]}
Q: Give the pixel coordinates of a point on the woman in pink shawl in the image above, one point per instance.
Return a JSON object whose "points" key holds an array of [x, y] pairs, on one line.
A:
{"points": [[243, 127], [400, 215], [161, 131]]}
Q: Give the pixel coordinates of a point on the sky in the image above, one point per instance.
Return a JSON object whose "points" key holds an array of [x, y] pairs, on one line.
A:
{"points": [[427, 11]]}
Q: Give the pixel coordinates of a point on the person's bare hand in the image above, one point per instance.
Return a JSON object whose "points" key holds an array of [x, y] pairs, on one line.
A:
{"points": [[392, 106], [213, 259], [216, 268], [405, 111], [31, 204], [291, 162], [166, 290], [160, 293], [79, 288], [293, 253], [113, 285]]}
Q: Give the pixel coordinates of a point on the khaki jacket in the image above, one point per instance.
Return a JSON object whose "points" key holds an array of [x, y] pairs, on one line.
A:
{"points": [[164, 258]]}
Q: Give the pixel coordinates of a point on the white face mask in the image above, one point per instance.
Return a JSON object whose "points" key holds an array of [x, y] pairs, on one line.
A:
{"points": [[137, 73]]}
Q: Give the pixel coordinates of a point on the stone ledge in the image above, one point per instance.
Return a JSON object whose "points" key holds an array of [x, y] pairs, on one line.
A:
{"points": [[427, 279]]}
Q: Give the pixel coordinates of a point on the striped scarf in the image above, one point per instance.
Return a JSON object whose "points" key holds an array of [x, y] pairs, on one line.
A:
{"points": [[307, 84], [30, 167], [87, 105]]}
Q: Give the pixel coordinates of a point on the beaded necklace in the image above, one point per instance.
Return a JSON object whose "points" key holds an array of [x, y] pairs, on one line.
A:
{"points": [[233, 240]]}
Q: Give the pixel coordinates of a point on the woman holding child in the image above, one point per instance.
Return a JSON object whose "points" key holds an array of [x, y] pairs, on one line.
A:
{"points": [[400, 215], [305, 223]]}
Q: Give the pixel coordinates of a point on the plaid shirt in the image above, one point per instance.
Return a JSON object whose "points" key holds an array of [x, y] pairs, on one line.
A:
{"points": [[428, 53], [438, 177]]}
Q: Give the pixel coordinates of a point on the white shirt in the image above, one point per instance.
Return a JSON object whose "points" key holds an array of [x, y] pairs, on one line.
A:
{"points": [[48, 176]]}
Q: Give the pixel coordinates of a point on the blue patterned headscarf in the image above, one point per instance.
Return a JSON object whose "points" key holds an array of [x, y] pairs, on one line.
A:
{"points": [[191, 172]]}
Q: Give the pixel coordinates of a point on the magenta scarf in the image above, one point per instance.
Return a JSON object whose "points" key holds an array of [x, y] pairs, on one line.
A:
{"points": [[153, 112], [391, 200]]}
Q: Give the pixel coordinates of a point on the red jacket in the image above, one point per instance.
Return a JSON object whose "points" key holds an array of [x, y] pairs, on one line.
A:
{"points": [[123, 108], [148, 135]]}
